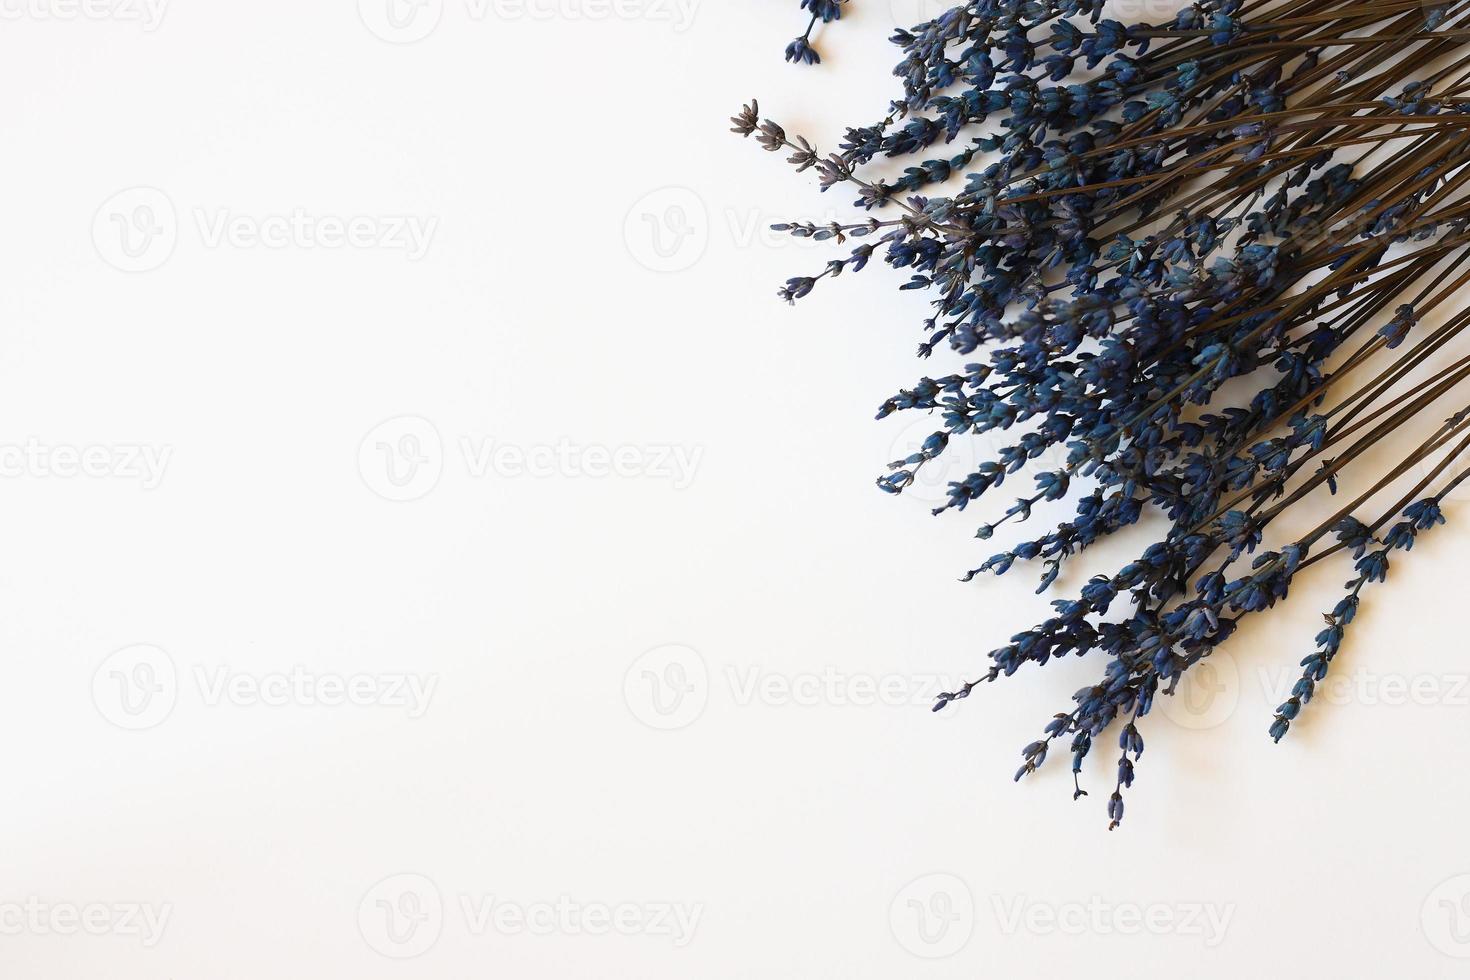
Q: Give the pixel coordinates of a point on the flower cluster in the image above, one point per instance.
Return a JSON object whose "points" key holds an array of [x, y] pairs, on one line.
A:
{"points": [[1153, 219], [800, 50]]}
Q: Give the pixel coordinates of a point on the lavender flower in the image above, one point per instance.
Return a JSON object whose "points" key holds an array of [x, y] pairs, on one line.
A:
{"points": [[1151, 220], [800, 50]]}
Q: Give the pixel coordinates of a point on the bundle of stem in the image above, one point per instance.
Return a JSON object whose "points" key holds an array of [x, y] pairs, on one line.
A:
{"points": [[1277, 194]]}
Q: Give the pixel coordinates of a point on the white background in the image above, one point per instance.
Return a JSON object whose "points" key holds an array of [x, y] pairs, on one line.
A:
{"points": [[653, 689]]}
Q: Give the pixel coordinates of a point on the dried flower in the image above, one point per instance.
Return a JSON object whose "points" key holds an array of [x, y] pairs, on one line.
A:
{"points": [[826, 11], [1154, 218]]}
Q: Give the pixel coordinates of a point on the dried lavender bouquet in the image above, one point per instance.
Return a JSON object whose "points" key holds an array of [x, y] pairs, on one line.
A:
{"points": [[1265, 198]]}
